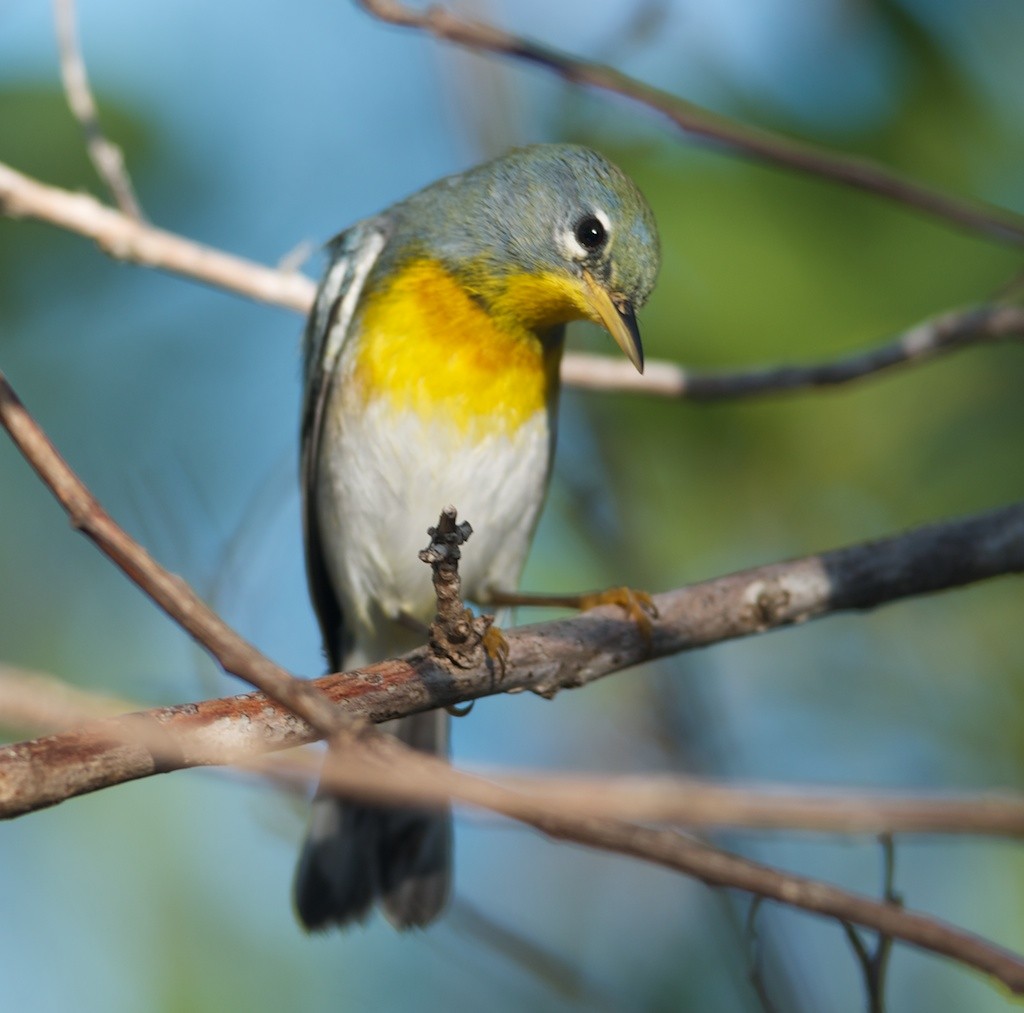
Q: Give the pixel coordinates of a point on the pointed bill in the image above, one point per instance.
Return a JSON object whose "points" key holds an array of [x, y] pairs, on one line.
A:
{"points": [[618, 318]]}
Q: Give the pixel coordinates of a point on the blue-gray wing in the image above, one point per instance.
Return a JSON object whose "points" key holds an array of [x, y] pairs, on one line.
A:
{"points": [[352, 255]]}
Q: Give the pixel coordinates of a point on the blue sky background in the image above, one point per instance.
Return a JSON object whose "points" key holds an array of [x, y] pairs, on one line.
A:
{"points": [[260, 128]]}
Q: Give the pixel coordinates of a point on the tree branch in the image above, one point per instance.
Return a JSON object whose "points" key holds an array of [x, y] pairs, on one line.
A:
{"points": [[378, 768], [385, 772], [37, 701], [543, 658], [170, 593], [106, 157], [757, 144], [948, 332], [125, 238]]}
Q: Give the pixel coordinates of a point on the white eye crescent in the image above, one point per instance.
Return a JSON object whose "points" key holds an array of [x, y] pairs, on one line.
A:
{"points": [[588, 235]]}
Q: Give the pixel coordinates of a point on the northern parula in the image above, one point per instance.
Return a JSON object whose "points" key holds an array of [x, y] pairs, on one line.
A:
{"points": [[431, 364]]}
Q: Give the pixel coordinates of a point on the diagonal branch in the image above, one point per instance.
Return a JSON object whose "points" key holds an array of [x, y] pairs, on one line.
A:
{"points": [[106, 157], [170, 593], [372, 773], [760, 145], [543, 659]]}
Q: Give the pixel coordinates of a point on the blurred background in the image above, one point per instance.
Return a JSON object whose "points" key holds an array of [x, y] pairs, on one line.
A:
{"points": [[260, 129]]}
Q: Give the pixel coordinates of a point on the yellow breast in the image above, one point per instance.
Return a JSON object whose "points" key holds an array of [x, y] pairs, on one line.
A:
{"points": [[427, 345]]}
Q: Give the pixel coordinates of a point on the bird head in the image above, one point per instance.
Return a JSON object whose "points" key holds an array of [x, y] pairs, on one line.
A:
{"points": [[543, 236]]}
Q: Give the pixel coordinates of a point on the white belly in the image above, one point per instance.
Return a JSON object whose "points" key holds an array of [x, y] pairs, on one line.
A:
{"points": [[386, 475]]}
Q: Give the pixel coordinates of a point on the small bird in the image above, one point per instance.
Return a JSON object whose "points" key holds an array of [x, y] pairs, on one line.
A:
{"points": [[431, 368]]}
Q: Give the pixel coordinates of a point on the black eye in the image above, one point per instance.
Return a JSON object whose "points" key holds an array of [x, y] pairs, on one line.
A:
{"points": [[590, 233]]}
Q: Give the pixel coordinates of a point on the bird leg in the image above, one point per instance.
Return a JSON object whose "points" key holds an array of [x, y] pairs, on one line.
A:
{"points": [[638, 605]]}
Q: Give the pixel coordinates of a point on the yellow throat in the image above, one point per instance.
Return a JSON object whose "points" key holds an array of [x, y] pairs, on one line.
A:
{"points": [[427, 345]]}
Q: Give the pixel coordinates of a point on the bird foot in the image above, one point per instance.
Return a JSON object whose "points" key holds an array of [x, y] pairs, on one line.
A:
{"points": [[638, 605]]}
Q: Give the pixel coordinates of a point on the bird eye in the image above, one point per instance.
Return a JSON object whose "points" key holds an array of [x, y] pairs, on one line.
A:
{"points": [[590, 233]]}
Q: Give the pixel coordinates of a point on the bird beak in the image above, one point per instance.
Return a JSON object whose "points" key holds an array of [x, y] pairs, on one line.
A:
{"points": [[617, 316]]}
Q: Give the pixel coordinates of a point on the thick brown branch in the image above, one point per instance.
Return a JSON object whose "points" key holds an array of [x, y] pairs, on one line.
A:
{"points": [[761, 145], [543, 658]]}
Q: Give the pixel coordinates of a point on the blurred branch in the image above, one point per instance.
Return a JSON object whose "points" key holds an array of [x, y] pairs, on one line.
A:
{"points": [[946, 333], [386, 772], [106, 157], [874, 963], [239, 730], [760, 145], [35, 701], [125, 238]]}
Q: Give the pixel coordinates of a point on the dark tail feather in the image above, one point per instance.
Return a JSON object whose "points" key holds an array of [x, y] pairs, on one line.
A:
{"points": [[356, 854]]}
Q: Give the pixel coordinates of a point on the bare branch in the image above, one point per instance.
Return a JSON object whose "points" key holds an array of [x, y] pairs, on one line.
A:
{"points": [[718, 868], [34, 701], [940, 335], [425, 777], [384, 771], [238, 729], [376, 767], [544, 658], [44, 703], [125, 238], [760, 145], [170, 593], [106, 157]]}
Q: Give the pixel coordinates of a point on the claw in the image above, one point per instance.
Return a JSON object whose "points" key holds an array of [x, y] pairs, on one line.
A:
{"points": [[496, 647], [638, 605]]}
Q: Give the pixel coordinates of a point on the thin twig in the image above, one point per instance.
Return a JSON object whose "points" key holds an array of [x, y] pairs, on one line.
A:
{"points": [[940, 335], [106, 157], [758, 144]]}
